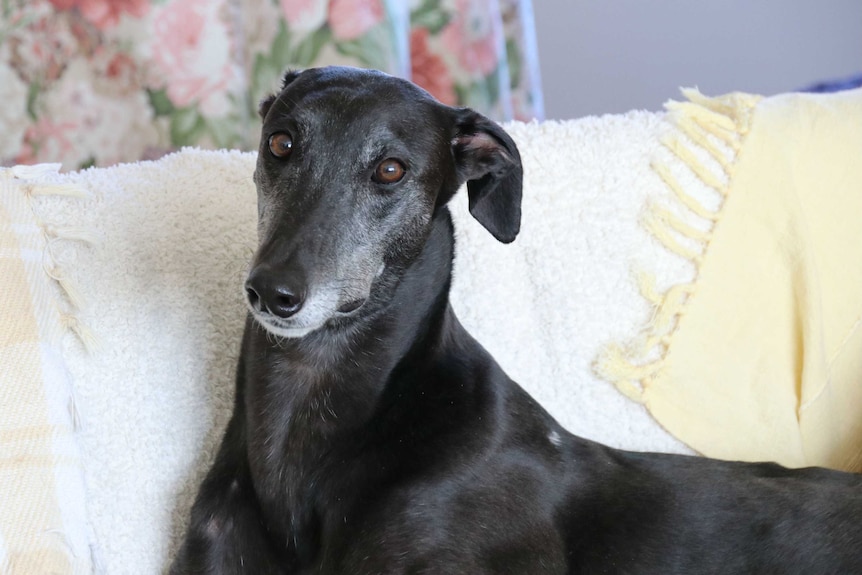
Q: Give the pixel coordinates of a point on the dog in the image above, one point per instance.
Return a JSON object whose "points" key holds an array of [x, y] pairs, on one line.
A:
{"points": [[372, 434]]}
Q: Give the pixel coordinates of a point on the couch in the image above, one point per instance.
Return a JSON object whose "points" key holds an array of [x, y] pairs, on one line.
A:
{"points": [[685, 281]]}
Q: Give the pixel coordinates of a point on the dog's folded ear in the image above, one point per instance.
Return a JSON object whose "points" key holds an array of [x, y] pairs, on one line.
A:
{"points": [[265, 105], [289, 77], [267, 102], [488, 160]]}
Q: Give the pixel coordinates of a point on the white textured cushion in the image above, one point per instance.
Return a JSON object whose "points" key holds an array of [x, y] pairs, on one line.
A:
{"points": [[162, 299]]}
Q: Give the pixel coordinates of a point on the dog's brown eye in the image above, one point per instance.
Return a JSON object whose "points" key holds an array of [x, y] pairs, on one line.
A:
{"points": [[280, 145], [389, 171]]}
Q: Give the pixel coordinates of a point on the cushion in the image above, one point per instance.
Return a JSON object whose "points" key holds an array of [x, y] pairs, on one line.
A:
{"points": [[44, 525], [161, 295]]}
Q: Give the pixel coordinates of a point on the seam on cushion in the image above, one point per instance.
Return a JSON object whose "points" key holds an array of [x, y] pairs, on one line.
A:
{"points": [[704, 128], [852, 331]]}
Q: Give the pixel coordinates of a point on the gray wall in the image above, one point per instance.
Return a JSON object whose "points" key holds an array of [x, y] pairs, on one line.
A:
{"points": [[610, 56]]}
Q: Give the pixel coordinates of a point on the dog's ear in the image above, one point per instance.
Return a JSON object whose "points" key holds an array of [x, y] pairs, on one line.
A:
{"points": [[488, 160], [267, 102], [265, 105], [289, 77]]}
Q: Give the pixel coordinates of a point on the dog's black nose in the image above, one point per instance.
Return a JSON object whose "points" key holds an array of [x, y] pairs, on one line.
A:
{"points": [[269, 293]]}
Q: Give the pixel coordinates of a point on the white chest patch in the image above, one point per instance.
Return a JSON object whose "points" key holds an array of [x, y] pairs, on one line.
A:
{"points": [[554, 438]]}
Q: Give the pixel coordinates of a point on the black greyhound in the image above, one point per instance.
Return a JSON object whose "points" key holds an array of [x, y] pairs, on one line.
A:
{"points": [[372, 435]]}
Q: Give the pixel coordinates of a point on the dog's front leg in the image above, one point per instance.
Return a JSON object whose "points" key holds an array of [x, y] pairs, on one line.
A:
{"points": [[227, 533]]}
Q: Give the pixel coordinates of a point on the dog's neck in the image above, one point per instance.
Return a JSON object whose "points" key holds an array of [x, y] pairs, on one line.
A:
{"points": [[335, 378], [316, 399]]}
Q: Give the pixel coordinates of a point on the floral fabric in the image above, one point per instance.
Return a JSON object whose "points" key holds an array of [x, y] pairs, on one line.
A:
{"points": [[477, 53], [95, 82]]}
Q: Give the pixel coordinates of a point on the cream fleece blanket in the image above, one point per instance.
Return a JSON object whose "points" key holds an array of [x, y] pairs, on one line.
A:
{"points": [[146, 272], [160, 297]]}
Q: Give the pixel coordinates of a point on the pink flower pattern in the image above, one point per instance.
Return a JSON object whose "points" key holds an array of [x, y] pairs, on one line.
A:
{"points": [[473, 35], [303, 15], [188, 48], [160, 74], [46, 137], [428, 69], [105, 13], [351, 19]]}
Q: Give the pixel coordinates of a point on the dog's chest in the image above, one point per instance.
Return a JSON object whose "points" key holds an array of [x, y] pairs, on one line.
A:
{"points": [[288, 433], [295, 426], [285, 470]]}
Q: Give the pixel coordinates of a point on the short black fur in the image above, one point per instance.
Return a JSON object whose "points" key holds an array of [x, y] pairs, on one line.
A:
{"points": [[373, 435]]}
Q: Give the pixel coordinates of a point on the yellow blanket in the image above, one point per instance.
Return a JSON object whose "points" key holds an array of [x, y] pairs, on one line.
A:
{"points": [[760, 356]]}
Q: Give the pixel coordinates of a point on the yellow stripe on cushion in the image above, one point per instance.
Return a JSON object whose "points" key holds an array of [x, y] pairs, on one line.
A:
{"points": [[29, 504], [41, 529]]}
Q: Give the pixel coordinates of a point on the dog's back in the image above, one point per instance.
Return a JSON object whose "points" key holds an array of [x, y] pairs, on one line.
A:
{"points": [[656, 513]]}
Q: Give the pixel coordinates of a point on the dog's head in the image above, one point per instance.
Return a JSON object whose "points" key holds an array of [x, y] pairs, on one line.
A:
{"points": [[352, 166]]}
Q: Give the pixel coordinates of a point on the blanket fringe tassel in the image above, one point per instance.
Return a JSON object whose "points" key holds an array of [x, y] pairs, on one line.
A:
{"points": [[704, 127]]}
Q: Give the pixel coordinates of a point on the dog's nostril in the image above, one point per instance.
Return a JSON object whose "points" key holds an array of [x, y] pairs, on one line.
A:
{"points": [[286, 304], [253, 298]]}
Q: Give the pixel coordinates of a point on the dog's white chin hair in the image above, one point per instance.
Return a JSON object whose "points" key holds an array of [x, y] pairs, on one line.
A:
{"points": [[287, 332]]}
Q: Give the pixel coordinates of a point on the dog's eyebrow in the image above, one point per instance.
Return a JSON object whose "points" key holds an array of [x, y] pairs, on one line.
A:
{"points": [[284, 105], [381, 142]]}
